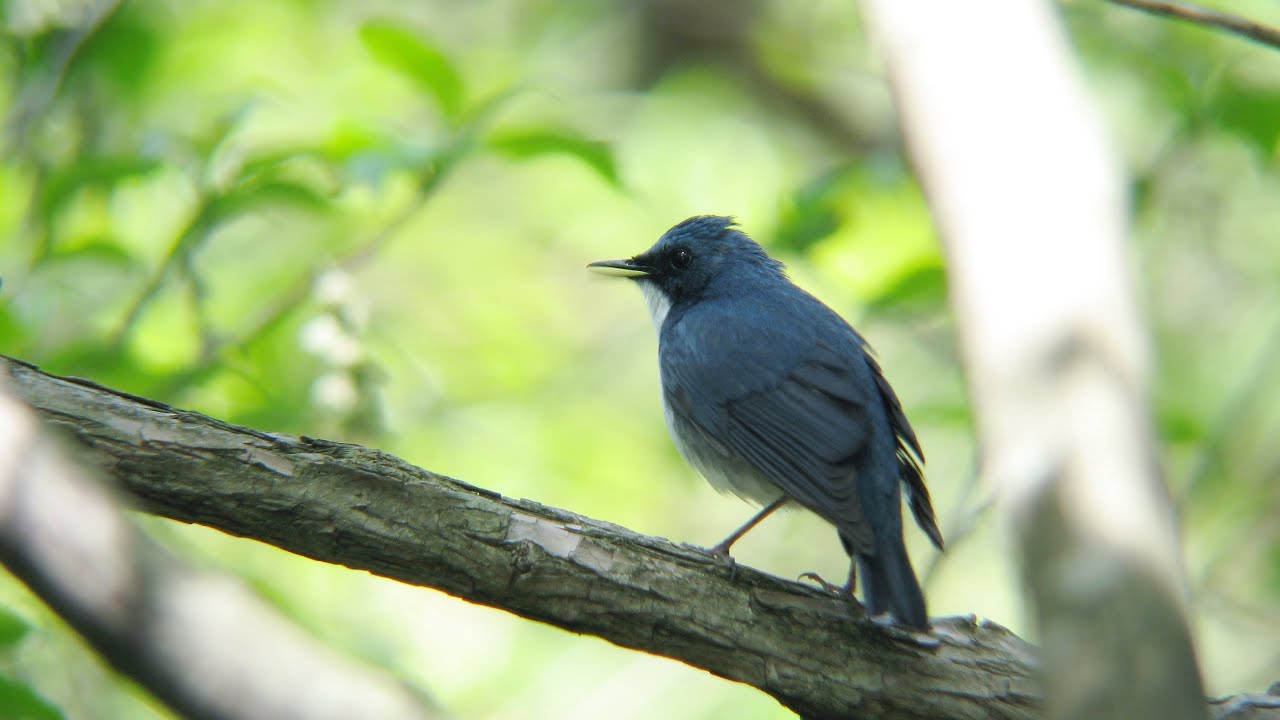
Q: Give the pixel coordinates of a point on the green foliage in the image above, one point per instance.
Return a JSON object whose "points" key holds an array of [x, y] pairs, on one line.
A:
{"points": [[104, 251], [12, 629], [305, 219], [88, 173], [419, 61], [122, 52], [815, 210], [920, 289], [255, 195], [19, 702], [532, 143], [1247, 111]]}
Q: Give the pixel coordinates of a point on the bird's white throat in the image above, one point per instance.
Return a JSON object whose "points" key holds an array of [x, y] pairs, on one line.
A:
{"points": [[658, 303]]}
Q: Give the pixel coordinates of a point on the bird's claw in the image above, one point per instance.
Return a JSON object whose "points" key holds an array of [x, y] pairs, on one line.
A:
{"points": [[721, 553], [829, 587]]}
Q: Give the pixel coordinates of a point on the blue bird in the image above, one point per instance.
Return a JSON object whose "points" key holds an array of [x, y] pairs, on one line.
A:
{"points": [[770, 395]]}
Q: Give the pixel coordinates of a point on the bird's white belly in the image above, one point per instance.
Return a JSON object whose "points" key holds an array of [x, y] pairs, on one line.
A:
{"points": [[724, 473]]}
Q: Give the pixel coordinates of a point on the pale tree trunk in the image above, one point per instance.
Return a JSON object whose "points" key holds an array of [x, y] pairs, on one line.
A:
{"points": [[1031, 208]]}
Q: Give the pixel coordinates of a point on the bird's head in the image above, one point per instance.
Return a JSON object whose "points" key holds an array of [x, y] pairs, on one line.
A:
{"points": [[702, 255]]}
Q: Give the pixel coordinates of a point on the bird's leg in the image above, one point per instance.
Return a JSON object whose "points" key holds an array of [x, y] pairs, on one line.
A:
{"points": [[722, 548]]}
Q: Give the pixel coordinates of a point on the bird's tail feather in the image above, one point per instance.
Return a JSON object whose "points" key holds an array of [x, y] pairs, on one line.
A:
{"points": [[889, 585]]}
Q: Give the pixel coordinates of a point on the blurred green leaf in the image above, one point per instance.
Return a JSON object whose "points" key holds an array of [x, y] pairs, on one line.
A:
{"points": [[93, 172], [422, 63], [349, 140], [813, 212], [101, 249], [957, 414], [1166, 76], [921, 288], [1251, 113], [1180, 426], [266, 163], [120, 370], [1273, 562], [530, 143], [805, 226], [12, 332], [12, 628], [206, 142], [123, 51], [368, 155], [256, 195], [19, 702]]}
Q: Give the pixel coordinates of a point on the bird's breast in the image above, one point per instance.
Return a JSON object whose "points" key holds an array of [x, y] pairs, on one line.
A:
{"points": [[726, 473]]}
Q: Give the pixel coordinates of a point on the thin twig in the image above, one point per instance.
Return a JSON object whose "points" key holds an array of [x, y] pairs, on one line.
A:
{"points": [[33, 103], [301, 289], [38, 96], [1209, 454], [1235, 24], [191, 234]]}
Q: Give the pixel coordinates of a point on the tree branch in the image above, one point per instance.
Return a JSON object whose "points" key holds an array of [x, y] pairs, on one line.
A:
{"points": [[367, 510], [364, 509], [1235, 24], [199, 641]]}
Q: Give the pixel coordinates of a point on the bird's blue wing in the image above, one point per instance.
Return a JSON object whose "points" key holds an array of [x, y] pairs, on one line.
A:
{"points": [[793, 408]]}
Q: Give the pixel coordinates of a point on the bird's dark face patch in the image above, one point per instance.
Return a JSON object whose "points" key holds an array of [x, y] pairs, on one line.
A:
{"points": [[693, 255], [680, 273]]}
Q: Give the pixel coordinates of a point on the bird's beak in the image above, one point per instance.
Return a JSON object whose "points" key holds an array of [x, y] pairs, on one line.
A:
{"points": [[620, 268]]}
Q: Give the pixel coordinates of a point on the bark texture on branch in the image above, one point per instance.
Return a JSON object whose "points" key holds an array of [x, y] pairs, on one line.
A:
{"points": [[199, 641], [367, 510]]}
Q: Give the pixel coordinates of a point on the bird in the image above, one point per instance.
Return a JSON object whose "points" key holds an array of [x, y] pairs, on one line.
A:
{"points": [[772, 396]]}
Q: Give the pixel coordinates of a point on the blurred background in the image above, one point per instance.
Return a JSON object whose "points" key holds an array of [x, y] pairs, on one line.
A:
{"points": [[369, 221]]}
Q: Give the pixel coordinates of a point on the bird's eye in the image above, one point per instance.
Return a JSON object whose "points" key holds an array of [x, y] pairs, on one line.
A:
{"points": [[680, 259]]}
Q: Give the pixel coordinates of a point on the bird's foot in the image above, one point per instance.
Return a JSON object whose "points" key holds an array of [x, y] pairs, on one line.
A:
{"points": [[721, 553], [846, 589]]}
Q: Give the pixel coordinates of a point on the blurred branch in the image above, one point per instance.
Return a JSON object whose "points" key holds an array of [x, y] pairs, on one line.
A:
{"points": [[677, 32], [1235, 24], [1247, 707], [1030, 206], [344, 504], [192, 233], [963, 519], [198, 641], [1245, 391], [37, 95]]}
